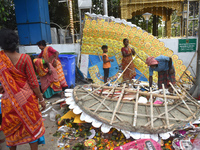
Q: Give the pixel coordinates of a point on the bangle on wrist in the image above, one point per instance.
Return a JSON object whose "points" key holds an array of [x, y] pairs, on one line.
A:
{"points": [[41, 100]]}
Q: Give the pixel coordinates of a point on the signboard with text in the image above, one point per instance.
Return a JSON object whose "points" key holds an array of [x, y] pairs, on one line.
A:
{"points": [[187, 45]]}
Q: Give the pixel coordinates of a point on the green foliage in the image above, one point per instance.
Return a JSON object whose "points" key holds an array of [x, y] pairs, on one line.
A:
{"points": [[7, 14], [113, 7], [58, 13]]}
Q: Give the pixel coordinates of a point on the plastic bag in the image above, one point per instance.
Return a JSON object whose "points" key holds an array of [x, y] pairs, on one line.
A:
{"points": [[141, 144], [53, 114]]}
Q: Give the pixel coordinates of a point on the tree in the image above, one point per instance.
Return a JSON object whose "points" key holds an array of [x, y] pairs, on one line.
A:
{"points": [[113, 7], [58, 13], [7, 14]]}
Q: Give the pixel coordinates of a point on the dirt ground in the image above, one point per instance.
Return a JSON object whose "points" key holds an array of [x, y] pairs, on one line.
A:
{"points": [[51, 127]]}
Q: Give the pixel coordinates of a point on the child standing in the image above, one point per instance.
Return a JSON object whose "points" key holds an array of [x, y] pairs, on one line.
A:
{"points": [[106, 62]]}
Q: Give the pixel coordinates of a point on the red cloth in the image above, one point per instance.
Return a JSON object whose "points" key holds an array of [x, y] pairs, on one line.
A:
{"points": [[142, 144], [164, 77], [47, 79], [130, 72], [25, 65], [125, 50], [22, 119], [51, 51], [59, 69], [151, 61]]}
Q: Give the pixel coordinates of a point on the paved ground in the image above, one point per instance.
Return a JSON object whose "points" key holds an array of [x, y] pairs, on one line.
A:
{"points": [[51, 127]]}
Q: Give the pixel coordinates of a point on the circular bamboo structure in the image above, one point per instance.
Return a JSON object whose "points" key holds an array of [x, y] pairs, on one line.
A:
{"points": [[120, 107]]}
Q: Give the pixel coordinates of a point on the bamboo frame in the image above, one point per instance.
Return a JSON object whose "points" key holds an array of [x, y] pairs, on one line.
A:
{"points": [[115, 112], [144, 93]]}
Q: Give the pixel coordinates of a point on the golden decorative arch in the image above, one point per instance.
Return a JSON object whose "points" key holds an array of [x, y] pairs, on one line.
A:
{"points": [[164, 8]]}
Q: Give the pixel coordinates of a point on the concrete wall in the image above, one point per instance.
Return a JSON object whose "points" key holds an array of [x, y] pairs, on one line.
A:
{"points": [[67, 48], [61, 48], [184, 56]]}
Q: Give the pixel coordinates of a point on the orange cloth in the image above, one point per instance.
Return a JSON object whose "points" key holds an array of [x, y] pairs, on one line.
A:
{"points": [[21, 117], [47, 79], [107, 64], [39, 67], [59, 69], [151, 61], [130, 72]]}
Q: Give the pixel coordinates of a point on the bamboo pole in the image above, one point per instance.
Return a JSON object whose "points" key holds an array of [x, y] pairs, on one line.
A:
{"points": [[133, 102], [139, 115], [143, 93], [192, 98], [109, 81], [182, 112], [163, 113], [147, 112], [182, 100], [103, 104], [118, 102], [166, 107], [105, 98], [163, 120], [136, 107], [151, 106], [188, 65], [93, 104], [141, 75]]}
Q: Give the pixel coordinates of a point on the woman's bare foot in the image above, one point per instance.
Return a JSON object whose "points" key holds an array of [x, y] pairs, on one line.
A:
{"points": [[62, 95]]}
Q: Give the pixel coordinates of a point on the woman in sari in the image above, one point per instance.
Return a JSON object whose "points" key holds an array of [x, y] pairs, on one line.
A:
{"points": [[127, 53], [50, 84], [50, 55], [21, 117]]}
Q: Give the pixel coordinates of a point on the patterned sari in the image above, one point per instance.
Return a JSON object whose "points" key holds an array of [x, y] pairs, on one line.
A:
{"points": [[130, 72], [47, 80], [21, 117], [61, 76]]}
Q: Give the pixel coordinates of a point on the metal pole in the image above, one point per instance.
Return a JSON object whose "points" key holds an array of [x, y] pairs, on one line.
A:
{"points": [[182, 20], [188, 3], [105, 7], [147, 25], [198, 56], [175, 31], [193, 20], [80, 20]]}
